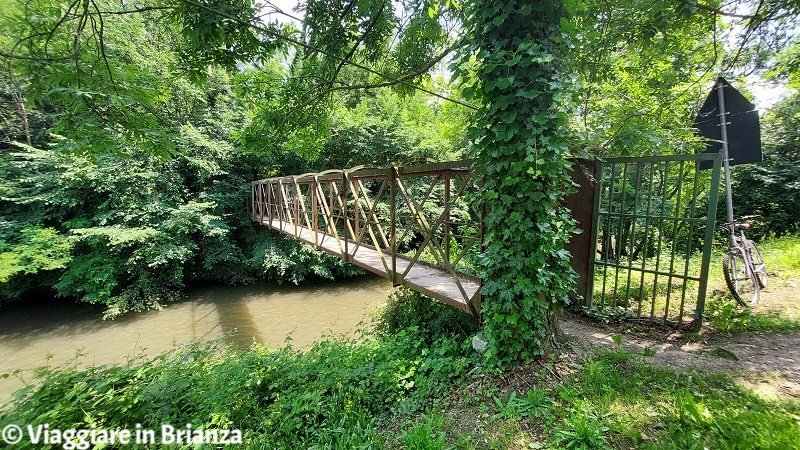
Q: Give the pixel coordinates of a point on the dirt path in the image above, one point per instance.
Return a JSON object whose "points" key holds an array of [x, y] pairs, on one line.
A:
{"points": [[769, 364]]}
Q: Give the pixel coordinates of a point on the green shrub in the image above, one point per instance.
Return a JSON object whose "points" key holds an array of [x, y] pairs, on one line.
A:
{"points": [[333, 394]]}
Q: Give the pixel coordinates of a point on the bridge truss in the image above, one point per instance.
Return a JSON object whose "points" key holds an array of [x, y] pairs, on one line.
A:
{"points": [[414, 225]]}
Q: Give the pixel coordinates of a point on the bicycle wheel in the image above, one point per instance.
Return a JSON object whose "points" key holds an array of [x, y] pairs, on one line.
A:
{"points": [[742, 282], [759, 267]]}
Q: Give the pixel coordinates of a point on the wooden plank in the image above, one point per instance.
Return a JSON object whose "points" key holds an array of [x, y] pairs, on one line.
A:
{"points": [[431, 281]]}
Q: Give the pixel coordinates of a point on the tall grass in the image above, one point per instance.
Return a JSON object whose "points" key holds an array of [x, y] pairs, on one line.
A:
{"points": [[620, 294], [782, 255], [334, 394]]}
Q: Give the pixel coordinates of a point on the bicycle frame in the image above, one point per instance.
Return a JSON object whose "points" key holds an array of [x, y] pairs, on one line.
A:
{"points": [[743, 252], [740, 243]]}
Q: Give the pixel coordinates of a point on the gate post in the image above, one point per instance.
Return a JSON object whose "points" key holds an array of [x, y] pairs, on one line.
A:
{"points": [[598, 189], [581, 209], [711, 221]]}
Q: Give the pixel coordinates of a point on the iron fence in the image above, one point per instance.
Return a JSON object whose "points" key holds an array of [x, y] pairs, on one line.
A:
{"points": [[653, 227]]}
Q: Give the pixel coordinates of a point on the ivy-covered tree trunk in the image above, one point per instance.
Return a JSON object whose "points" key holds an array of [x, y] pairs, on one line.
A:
{"points": [[521, 144]]}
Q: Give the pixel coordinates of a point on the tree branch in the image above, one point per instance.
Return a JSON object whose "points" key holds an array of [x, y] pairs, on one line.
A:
{"points": [[37, 58], [370, 27], [720, 12], [352, 87], [299, 43], [136, 10]]}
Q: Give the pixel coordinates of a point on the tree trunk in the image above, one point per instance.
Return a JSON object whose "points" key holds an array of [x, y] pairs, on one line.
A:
{"points": [[19, 100]]}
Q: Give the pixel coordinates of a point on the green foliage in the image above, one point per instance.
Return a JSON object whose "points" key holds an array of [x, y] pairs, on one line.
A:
{"points": [[521, 143], [281, 258], [380, 391], [535, 404], [425, 434], [133, 183], [135, 230], [408, 309], [643, 67], [725, 313], [220, 32], [383, 127], [35, 249], [581, 431], [782, 255], [770, 189], [337, 393]]}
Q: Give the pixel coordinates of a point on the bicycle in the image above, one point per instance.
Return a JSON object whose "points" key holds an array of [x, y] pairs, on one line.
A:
{"points": [[743, 266]]}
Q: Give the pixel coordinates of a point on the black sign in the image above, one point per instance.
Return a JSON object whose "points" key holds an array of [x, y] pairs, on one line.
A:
{"points": [[743, 126]]}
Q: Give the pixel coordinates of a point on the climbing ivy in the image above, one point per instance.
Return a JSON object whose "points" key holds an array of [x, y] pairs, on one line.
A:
{"points": [[520, 141]]}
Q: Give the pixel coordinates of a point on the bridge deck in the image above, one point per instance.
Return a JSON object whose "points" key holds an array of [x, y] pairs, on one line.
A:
{"points": [[431, 281]]}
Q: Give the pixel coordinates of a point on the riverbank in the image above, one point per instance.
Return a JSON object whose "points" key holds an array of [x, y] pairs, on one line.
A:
{"points": [[51, 332], [414, 382]]}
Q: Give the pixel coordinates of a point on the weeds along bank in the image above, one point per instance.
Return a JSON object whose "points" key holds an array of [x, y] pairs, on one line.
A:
{"points": [[411, 382], [340, 390]]}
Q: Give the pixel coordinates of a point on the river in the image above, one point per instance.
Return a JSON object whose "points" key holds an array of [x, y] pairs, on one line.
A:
{"points": [[51, 332]]}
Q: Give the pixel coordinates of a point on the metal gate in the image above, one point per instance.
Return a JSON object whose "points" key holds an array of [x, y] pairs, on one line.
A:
{"points": [[653, 227]]}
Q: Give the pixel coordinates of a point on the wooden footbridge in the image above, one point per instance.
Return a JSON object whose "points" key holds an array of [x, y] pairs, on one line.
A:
{"points": [[413, 224], [420, 226]]}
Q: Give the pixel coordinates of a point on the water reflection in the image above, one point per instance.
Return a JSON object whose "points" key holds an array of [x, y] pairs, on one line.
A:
{"points": [[265, 313]]}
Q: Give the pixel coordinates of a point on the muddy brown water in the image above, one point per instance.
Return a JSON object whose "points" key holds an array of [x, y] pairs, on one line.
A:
{"points": [[52, 332]]}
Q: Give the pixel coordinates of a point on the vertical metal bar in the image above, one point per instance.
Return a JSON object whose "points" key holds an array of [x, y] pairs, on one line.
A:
{"points": [[332, 205], [632, 234], [356, 211], [723, 124], [619, 244], [261, 204], [447, 219], [271, 202], [646, 244], [298, 208], [688, 253], [675, 226], [663, 198], [252, 208], [598, 187], [314, 211], [393, 221], [607, 235], [343, 196], [279, 205], [707, 241], [285, 213]]}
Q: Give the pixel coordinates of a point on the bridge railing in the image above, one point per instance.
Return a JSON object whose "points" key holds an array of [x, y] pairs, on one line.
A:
{"points": [[417, 215]]}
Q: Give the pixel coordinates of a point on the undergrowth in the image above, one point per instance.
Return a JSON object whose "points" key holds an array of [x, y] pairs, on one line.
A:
{"points": [[614, 400], [335, 394], [411, 383]]}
